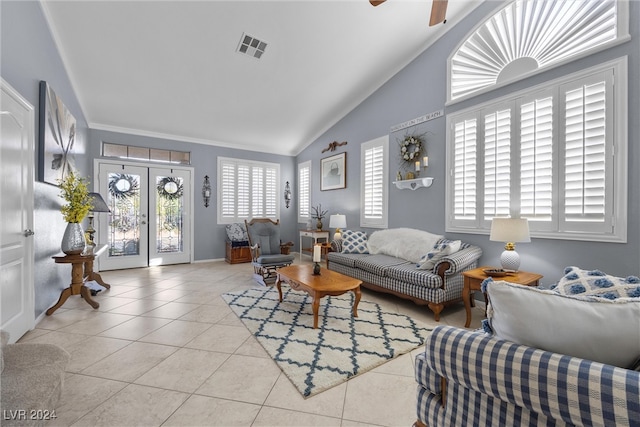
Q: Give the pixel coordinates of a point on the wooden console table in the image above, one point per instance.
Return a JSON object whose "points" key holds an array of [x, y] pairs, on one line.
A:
{"points": [[81, 270]]}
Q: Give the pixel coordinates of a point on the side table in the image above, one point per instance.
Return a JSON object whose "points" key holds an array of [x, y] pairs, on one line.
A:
{"points": [[473, 280], [315, 235], [81, 270]]}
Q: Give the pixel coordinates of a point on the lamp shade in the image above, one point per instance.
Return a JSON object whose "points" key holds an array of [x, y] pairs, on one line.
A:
{"points": [[338, 221], [509, 230], [99, 205]]}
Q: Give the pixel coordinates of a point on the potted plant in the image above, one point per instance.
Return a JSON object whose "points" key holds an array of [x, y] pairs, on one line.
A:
{"points": [[318, 215], [74, 190]]}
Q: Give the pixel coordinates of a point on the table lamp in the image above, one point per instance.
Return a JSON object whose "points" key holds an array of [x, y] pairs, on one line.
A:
{"points": [[337, 221], [510, 230], [99, 205]]}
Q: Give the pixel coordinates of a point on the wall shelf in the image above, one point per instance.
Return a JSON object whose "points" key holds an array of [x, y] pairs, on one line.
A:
{"points": [[412, 184]]}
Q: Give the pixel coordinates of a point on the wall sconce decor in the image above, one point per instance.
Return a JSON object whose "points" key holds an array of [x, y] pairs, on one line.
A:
{"points": [[287, 195], [206, 191]]}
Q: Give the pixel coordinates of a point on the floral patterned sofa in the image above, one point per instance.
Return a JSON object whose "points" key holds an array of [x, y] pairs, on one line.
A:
{"points": [[412, 264]]}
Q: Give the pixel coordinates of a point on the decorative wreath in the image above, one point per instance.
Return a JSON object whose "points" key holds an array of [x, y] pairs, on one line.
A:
{"points": [[122, 186], [170, 188], [410, 148]]}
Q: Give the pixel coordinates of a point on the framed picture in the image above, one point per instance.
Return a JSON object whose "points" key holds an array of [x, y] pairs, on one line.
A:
{"points": [[57, 137], [333, 172]]}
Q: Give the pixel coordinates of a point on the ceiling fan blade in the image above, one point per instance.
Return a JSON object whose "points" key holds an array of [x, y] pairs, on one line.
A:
{"points": [[376, 2], [438, 12]]}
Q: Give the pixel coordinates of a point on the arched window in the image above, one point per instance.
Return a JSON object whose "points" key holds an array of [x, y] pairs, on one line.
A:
{"points": [[529, 36]]}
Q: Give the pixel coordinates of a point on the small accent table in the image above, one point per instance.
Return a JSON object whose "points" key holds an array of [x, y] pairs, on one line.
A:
{"points": [[474, 278], [81, 270], [301, 278], [315, 235]]}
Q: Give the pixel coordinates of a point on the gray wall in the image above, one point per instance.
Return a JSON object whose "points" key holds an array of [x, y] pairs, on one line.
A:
{"points": [[420, 88]]}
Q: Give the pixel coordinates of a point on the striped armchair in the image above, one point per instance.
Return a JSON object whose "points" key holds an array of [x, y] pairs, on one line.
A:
{"points": [[468, 378]]}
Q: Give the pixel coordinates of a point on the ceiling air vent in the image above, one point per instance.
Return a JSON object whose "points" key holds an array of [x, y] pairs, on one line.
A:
{"points": [[251, 46]]}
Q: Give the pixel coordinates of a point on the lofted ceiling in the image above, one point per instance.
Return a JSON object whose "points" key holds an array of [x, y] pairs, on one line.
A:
{"points": [[171, 69]]}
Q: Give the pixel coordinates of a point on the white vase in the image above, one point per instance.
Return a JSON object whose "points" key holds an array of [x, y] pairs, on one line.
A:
{"points": [[73, 241]]}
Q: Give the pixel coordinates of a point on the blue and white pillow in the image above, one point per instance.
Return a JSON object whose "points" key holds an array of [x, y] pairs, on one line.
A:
{"points": [[236, 232], [577, 281], [441, 249], [354, 242]]}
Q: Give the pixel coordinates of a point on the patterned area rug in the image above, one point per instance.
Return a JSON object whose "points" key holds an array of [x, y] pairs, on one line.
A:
{"points": [[341, 347]]}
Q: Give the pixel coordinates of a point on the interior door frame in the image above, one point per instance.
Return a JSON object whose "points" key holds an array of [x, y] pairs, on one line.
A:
{"points": [[149, 165]]}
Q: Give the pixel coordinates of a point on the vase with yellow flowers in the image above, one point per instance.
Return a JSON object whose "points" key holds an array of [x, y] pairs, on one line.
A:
{"points": [[74, 190]]}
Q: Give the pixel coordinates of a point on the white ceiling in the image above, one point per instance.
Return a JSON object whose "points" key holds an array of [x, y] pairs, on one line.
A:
{"points": [[170, 68]]}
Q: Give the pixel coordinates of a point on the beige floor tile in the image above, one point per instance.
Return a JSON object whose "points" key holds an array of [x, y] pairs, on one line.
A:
{"points": [[131, 362], [381, 399], [284, 395], [401, 365], [117, 290], [97, 323], [185, 370], [209, 411], [65, 340], [172, 310], [60, 319], [200, 297], [251, 347], [141, 292], [32, 334], [176, 333], [135, 328], [223, 338], [242, 378], [82, 394], [231, 320], [207, 314], [108, 303], [91, 350], [138, 307], [168, 294], [135, 405], [282, 417]]}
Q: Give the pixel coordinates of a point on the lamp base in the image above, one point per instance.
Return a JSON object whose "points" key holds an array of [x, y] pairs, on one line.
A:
{"points": [[510, 260]]}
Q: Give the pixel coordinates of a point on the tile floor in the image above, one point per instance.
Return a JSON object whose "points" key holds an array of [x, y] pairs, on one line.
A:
{"points": [[164, 349]]}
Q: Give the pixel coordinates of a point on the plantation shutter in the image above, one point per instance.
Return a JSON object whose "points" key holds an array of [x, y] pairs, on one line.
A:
{"points": [[228, 190], [464, 170], [586, 136], [497, 164], [257, 193], [270, 190], [374, 183], [244, 191], [304, 191], [536, 160]]}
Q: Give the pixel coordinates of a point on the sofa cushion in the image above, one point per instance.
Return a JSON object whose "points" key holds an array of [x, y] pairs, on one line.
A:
{"points": [[378, 264], [406, 243], [408, 272], [577, 281], [354, 242], [441, 249], [592, 328], [348, 260]]}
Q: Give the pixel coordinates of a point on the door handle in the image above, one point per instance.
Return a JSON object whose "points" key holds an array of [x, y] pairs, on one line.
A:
{"points": [[28, 232]]}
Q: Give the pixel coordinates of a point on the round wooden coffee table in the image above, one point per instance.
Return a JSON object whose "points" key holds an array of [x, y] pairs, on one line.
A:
{"points": [[300, 277]]}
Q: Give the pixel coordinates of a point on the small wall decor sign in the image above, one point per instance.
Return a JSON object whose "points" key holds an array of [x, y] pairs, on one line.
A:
{"points": [[417, 120], [57, 137], [333, 172]]}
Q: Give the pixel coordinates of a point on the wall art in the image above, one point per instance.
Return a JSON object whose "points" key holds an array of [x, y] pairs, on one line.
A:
{"points": [[333, 172]]}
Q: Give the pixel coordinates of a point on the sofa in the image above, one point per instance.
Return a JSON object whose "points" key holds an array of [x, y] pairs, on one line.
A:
{"points": [[412, 264], [469, 378], [32, 380]]}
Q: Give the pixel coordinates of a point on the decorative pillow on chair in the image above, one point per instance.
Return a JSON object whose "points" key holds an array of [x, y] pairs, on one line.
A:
{"points": [[592, 328], [440, 250], [236, 232], [354, 242], [577, 281]]}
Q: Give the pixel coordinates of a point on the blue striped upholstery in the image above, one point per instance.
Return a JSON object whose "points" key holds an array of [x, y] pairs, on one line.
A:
{"points": [[494, 382], [379, 264]]}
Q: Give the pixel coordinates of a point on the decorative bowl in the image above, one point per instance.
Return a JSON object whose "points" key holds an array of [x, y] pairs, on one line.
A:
{"points": [[495, 272]]}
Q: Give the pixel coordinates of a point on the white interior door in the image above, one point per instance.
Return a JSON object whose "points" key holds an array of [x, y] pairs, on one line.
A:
{"points": [[126, 228], [16, 213], [170, 216]]}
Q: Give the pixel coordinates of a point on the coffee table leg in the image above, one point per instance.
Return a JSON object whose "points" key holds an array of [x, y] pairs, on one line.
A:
{"points": [[278, 281], [466, 295], [357, 301], [316, 308]]}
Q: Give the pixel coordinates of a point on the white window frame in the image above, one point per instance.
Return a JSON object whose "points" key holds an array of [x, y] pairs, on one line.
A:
{"points": [[381, 184], [616, 160], [263, 188], [304, 191]]}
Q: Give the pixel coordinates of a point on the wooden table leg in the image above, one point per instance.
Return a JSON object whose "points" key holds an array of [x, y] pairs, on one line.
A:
{"points": [[316, 308], [96, 277], [357, 301], [86, 294], [466, 295], [64, 295], [278, 285]]}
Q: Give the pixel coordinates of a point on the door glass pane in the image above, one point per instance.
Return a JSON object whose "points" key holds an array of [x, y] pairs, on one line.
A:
{"points": [[169, 212], [124, 222]]}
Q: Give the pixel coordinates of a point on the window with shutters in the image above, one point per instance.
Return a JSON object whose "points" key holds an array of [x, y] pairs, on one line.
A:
{"points": [[374, 183], [304, 191], [247, 189], [554, 154]]}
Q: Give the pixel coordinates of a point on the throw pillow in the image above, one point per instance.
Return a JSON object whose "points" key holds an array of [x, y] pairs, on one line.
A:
{"points": [[591, 328], [354, 242], [577, 281], [439, 251], [236, 232], [404, 243]]}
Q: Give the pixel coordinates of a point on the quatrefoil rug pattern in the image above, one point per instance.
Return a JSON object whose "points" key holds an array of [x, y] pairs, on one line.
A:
{"points": [[342, 346]]}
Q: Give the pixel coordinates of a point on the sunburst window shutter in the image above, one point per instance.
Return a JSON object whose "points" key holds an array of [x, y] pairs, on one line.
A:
{"points": [[497, 164]]}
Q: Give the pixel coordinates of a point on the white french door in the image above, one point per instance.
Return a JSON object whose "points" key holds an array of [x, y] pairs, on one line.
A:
{"points": [[150, 220]]}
